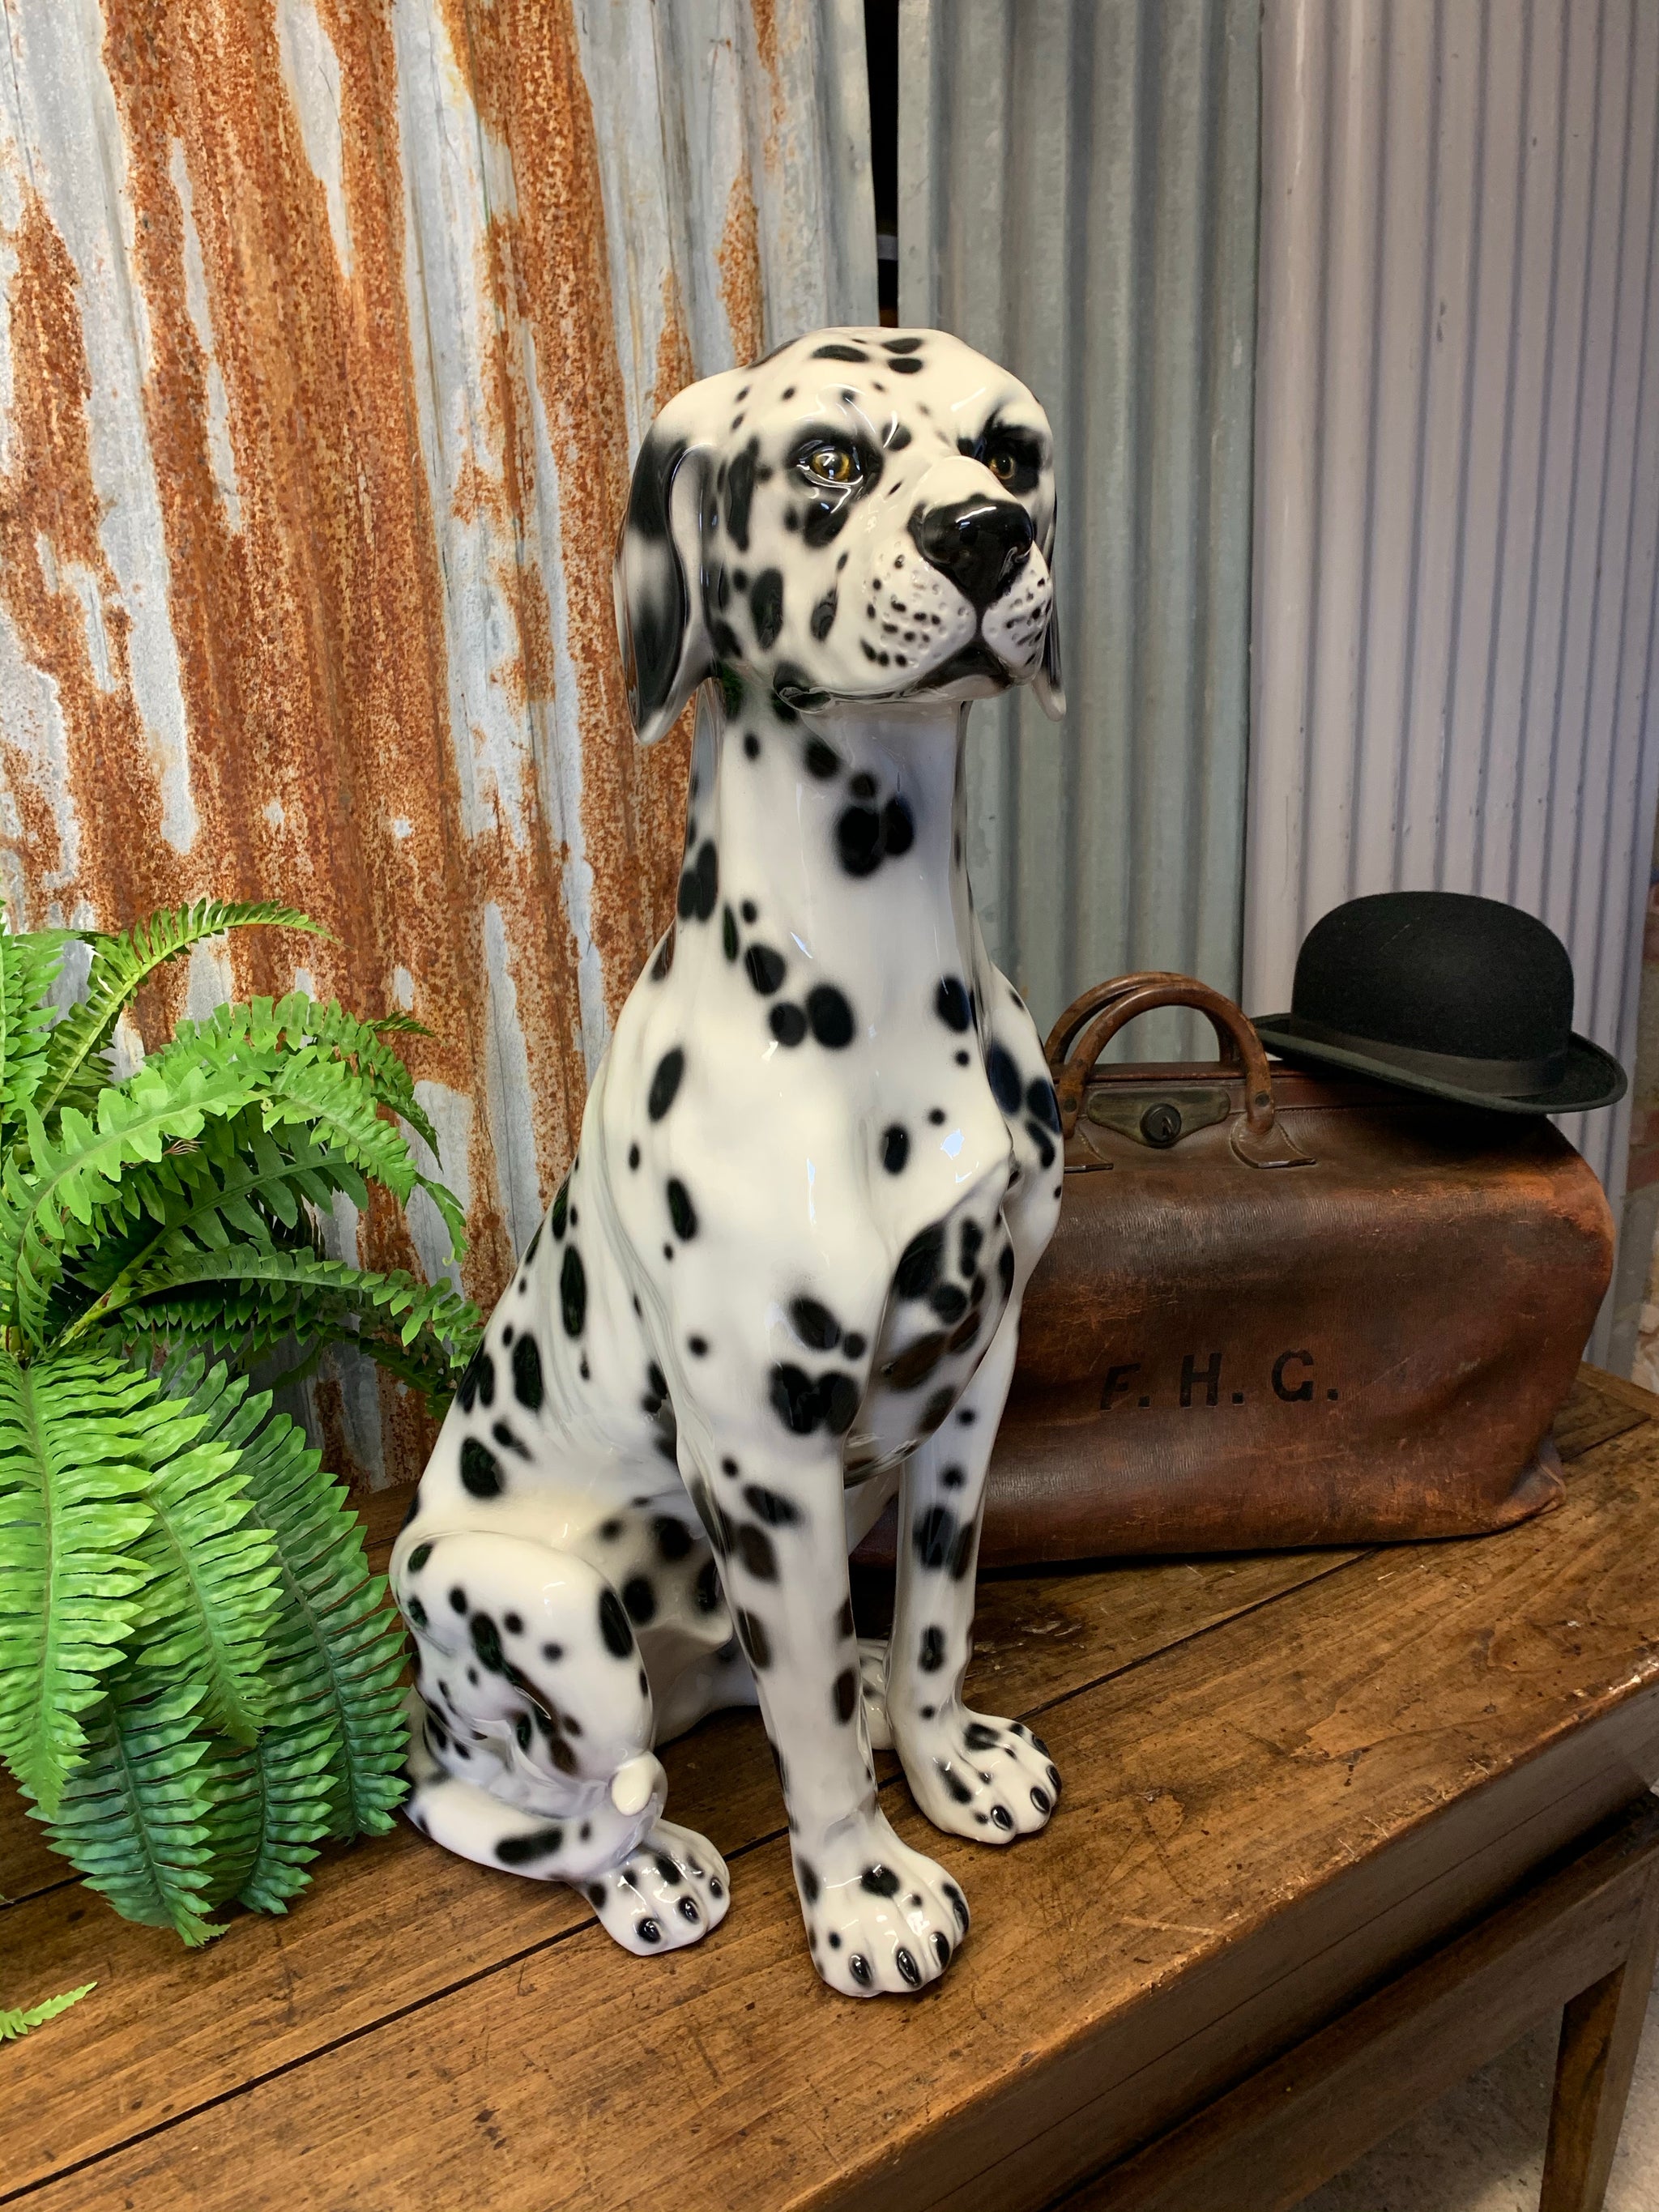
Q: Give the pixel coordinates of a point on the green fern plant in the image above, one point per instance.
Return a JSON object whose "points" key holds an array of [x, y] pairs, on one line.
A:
{"points": [[198, 1674]]}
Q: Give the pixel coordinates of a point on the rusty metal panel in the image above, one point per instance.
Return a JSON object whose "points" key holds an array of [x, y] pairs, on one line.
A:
{"points": [[328, 330]]}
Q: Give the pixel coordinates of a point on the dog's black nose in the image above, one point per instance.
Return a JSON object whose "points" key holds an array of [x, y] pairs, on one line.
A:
{"points": [[979, 543]]}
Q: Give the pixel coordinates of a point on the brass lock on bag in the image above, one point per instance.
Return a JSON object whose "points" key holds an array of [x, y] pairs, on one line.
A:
{"points": [[1090, 1023]]}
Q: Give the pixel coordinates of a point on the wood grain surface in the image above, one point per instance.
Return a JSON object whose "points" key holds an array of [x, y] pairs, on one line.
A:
{"points": [[1282, 1774]]}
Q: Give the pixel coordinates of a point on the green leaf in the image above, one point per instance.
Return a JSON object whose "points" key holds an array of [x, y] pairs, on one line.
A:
{"points": [[29, 967], [13, 2023], [138, 1817], [122, 964], [251, 1300], [214, 1574], [336, 1648], [75, 1176], [297, 1778], [74, 1466]]}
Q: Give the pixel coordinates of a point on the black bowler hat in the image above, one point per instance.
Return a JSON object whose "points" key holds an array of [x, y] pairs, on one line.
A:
{"points": [[1464, 998]]}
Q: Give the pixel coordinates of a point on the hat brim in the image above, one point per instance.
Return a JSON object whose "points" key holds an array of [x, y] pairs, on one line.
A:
{"points": [[1591, 1078]]}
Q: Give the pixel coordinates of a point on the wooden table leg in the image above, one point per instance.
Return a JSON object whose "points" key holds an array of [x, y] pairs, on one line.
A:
{"points": [[1600, 2029]]}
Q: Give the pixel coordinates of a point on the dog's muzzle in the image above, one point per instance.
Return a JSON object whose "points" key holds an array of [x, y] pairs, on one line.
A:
{"points": [[981, 544]]}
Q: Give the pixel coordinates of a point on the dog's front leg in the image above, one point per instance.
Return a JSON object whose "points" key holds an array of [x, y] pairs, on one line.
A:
{"points": [[879, 1916], [971, 1773]]}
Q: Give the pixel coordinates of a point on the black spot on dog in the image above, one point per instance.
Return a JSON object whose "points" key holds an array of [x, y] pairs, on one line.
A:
{"points": [[840, 1402], [978, 1737], [954, 1478], [673, 1537], [846, 1695], [765, 967], [844, 1618], [558, 1214], [416, 1611], [895, 1148], [707, 876], [838, 352], [901, 345], [1041, 1103], [751, 744], [740, 494], [418, 1557], [933, 1413], [525, 1849], [879, 1880], [905, 367], [831, 1016], [824, 615], [972, 1238], [794, 1396], [951, 1003], [933, 1650], [757, 1552], [481, 1471], [1039, 1137], [766, 605], [705, 1591], [897, 438], [729, 933], [756, 1643], [697, 1347], [854, 1345], [457, 1602], [911, 1366], [640, 1599], [613, 1625], [814, 1325], [1003, 1076], [857, 838], [509, 1442], [527, 1384], [898, 828], [666, 1083], [807, 1877], [949, 1302], [751, 911], [919, 1262], [822, 760], [665, 959], [487, 1643], [681, 1212], [633, 1155], [787, 1024], [1005, 1267], [572, 1292]]}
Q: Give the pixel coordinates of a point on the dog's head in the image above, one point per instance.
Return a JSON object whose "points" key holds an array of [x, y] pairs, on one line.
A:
{"points": [[865, 516]]}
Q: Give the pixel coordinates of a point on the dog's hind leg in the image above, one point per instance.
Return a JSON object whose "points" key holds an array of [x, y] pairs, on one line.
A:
{"points": [[533, 1741], [971, 1775]]}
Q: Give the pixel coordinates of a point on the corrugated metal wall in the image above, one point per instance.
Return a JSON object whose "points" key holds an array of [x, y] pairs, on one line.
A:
{"points": [[1078, 198], [330, 327], [1457, 479]]}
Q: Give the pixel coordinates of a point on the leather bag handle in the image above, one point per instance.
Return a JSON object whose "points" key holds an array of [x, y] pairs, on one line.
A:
{"points": [[1256, 1137]]}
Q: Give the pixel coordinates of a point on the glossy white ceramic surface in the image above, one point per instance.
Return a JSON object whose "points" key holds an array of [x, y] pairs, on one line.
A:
{"points": [[818, 1165]]}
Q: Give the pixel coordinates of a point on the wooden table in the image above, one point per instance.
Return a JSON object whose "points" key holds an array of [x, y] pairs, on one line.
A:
{"points": [[1336, 1828]]}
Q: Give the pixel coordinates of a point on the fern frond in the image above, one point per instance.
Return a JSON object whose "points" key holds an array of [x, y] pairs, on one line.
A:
{"points": [[302, 1027], [122, 964], [14, 2022], [74, 1176], [75, 1463], [236, 1183], [336, 1650], [214, 1574], [136, 1817], [296, 1791], [30, 965], [250, 1300]]}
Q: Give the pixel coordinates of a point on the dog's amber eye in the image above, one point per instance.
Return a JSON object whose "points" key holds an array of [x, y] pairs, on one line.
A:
{"points": [[830, 465], [1002, 464]]}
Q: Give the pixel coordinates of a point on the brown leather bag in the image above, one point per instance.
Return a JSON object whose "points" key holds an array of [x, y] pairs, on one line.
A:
{"points": [[1282, 1309]]}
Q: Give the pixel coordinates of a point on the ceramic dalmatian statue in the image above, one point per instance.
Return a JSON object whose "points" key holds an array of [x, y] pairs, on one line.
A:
{"points": [[818, 1165]]}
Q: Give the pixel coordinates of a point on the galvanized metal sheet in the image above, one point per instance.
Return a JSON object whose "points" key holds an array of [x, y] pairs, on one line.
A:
{"points": [[329, 332], [1078, 190], [1457, 514]]}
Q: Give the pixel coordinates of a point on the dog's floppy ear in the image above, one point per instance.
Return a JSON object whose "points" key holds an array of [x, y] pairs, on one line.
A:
{"points": [[665, 647]]}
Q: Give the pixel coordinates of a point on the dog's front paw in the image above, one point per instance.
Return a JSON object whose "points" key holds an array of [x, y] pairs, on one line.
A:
{"points": [[973, 1776], [880, 1917], [671, 1889]]}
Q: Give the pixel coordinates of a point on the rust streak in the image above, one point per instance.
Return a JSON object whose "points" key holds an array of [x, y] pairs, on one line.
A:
{"points": [[738, 256]]}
